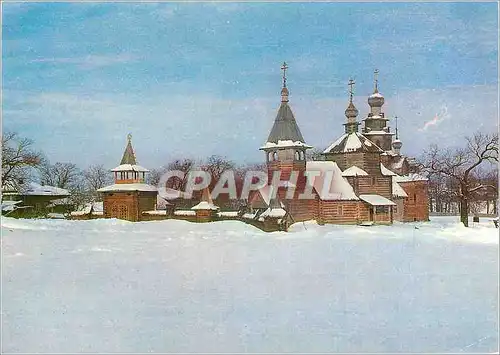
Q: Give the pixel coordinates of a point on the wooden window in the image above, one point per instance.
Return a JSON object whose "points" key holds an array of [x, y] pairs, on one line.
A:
{"points": [[123, 212], [395, 209], [374, 180], [381, 209], [414, 197]]}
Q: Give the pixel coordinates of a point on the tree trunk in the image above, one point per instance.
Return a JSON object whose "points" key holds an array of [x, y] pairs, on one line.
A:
{"points": [[464, 206]]}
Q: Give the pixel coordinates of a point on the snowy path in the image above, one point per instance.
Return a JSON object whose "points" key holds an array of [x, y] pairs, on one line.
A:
{"points": [[174, 286]]}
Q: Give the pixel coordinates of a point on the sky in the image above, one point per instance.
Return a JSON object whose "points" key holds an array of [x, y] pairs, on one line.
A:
{"points": [[196, 79]]}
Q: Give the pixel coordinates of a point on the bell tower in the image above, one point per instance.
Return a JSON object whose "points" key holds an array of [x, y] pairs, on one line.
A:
{"points": [[285, 147], [376, 128]]}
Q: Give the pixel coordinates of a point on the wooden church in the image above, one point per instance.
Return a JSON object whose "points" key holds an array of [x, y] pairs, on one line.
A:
{"points": [[361, 177]]}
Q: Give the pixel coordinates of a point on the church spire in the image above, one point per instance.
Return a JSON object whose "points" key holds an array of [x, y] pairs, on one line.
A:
{"points": [[397, 144], [128, 154], [351, 111], [396, 118], [284, 90]]}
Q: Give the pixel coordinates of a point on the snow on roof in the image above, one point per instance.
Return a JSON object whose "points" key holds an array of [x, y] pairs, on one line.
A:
{"points": [[128, 187], [378, 117], [330, 184], [249, 215], [228, 214], [60, 202], [273, 212], [398, 164], [285, 144], [376, 94], [184, 213], [130, 167], [352, 142], [385, 171], [95, 207], [378, 133], [354, 171], [397, 190], [9, 205], [376, 200], [411, 177], [334, 144], [204, 205], [34, 189], [156, 212]]}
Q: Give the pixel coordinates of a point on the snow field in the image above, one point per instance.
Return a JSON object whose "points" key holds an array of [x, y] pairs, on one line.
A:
{"points": [[176, 286]]}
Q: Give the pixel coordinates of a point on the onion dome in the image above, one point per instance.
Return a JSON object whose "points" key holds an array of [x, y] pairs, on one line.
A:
{"points": [[397, 144], [376, 99], [351, 111]]}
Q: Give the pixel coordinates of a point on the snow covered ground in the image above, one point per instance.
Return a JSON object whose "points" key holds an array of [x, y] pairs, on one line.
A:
{"points": [[176, 286]]}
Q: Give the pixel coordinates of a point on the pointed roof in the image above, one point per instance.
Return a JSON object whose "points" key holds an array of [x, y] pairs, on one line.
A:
{"points": [[206, 202], [285, 127], [352, 142], [128, 154]]}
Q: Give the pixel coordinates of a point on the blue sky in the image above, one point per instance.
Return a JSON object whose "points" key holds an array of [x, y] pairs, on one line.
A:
{"points": [[195, 79]]}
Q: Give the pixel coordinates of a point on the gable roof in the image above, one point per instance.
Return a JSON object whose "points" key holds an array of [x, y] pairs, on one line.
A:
{"points": [[34, 189], [330, 184], [354, 171], [285, 127], [352, 142], [376, 200], [385, 171], [397, 190]]}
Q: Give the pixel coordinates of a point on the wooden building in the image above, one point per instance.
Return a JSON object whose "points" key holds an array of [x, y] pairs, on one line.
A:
{"points": [[352, 183], [129, 197]]}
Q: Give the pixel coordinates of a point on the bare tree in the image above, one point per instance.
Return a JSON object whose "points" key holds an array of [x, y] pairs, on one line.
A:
{"points": [[95, 177], [185, 165], [18, 157], [63, 175], [315, 154], [460, 164], [216, 165]]}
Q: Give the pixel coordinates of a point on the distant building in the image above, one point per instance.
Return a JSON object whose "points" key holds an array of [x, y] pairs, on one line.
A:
{"points": [[34, 200]]}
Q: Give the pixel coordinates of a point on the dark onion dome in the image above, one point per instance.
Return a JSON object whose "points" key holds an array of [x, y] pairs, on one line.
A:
{"points": [[397, 144], [351, 110], [376, 99]]}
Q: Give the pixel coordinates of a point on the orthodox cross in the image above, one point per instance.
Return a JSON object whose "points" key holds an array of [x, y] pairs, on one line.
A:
{"points": [[284, 67], [376, 79], [351, 85]]}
